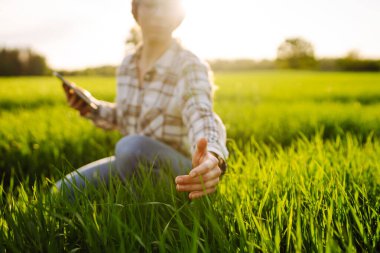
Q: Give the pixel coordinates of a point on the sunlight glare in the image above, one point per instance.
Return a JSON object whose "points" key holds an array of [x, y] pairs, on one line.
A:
{"points": [[213, 26]]}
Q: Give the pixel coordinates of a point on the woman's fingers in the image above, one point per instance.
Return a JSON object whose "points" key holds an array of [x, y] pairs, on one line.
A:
{"points": [[198, 186], [198, 194], [68, 91], [76, 102], [202, 180], [208, 164], [85, 110], [79, 103], [186, 179]]}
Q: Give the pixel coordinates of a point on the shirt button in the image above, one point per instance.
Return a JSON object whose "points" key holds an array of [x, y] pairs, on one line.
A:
{"points": [[149, 76]]}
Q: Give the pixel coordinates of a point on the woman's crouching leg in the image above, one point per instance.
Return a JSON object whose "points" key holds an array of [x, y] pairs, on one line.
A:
{"points": [[93, 173], [134, 152]]}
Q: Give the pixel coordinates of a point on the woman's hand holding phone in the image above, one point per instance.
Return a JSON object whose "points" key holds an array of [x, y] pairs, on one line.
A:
{"points": [[78, 98], [77, 102]]}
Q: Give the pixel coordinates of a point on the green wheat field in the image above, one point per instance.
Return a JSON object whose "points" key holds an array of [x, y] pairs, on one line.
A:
{"points": [[303, 176]]}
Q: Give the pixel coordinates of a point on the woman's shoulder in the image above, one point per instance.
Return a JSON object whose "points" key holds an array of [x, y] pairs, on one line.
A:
{"points": [[128, 59], [194, 70], [188, 58]]}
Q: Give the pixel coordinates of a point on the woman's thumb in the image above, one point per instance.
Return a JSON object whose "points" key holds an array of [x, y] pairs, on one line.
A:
{"points": [[202, 145], [200, 151]]}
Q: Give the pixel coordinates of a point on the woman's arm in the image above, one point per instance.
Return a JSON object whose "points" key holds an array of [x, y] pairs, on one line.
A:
{"points": [[206, 133], [197, 110]]}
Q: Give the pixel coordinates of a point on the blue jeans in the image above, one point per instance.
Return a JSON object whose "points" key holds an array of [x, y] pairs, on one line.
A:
{"points": [[132, 153]]}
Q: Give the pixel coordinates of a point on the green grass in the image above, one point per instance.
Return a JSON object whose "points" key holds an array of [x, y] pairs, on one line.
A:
{"points": [[304, 171]]}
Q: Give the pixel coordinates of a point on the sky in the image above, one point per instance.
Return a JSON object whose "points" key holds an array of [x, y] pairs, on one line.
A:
{"points": [[74, 34]]}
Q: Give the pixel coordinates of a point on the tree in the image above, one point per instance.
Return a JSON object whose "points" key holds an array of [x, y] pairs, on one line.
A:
{"points": [[353, 62], [296, 53], [9, 62], [353, 54], [15, 62]]}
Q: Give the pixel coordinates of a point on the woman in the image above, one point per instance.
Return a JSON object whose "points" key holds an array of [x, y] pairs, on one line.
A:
{"points": [[163, 108]]}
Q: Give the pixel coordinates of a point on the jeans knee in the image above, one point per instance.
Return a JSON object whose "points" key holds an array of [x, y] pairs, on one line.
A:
{"points": [[129, 151], [131, 145]]}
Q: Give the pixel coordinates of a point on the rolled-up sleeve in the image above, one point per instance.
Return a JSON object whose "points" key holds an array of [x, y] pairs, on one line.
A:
{"points": [[197, 110]]}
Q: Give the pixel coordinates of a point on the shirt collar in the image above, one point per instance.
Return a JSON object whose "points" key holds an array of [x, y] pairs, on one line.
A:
{"points": [[163, 62]]}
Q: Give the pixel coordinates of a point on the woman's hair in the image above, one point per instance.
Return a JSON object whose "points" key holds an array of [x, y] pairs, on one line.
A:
{"points": [[134, 8]]}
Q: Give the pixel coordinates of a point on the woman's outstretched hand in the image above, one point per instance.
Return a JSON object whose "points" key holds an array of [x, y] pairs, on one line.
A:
{"points": [[204, 177]]}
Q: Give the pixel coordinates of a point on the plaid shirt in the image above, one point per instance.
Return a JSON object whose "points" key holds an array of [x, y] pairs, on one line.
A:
{"points": [[172, 105]]}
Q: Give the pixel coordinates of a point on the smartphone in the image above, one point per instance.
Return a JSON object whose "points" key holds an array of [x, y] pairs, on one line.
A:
{"points": [[82, 94]]}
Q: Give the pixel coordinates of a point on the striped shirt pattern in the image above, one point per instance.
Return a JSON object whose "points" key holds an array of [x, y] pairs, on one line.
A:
{"points": [[172, 105]]}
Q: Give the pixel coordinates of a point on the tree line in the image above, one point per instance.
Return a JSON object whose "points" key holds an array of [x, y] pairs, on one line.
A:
{"points": [[24, 62], [297, 53], [292, 53]]}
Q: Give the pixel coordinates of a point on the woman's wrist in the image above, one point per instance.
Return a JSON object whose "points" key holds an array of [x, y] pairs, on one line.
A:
{"points": [[221, 162]]}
